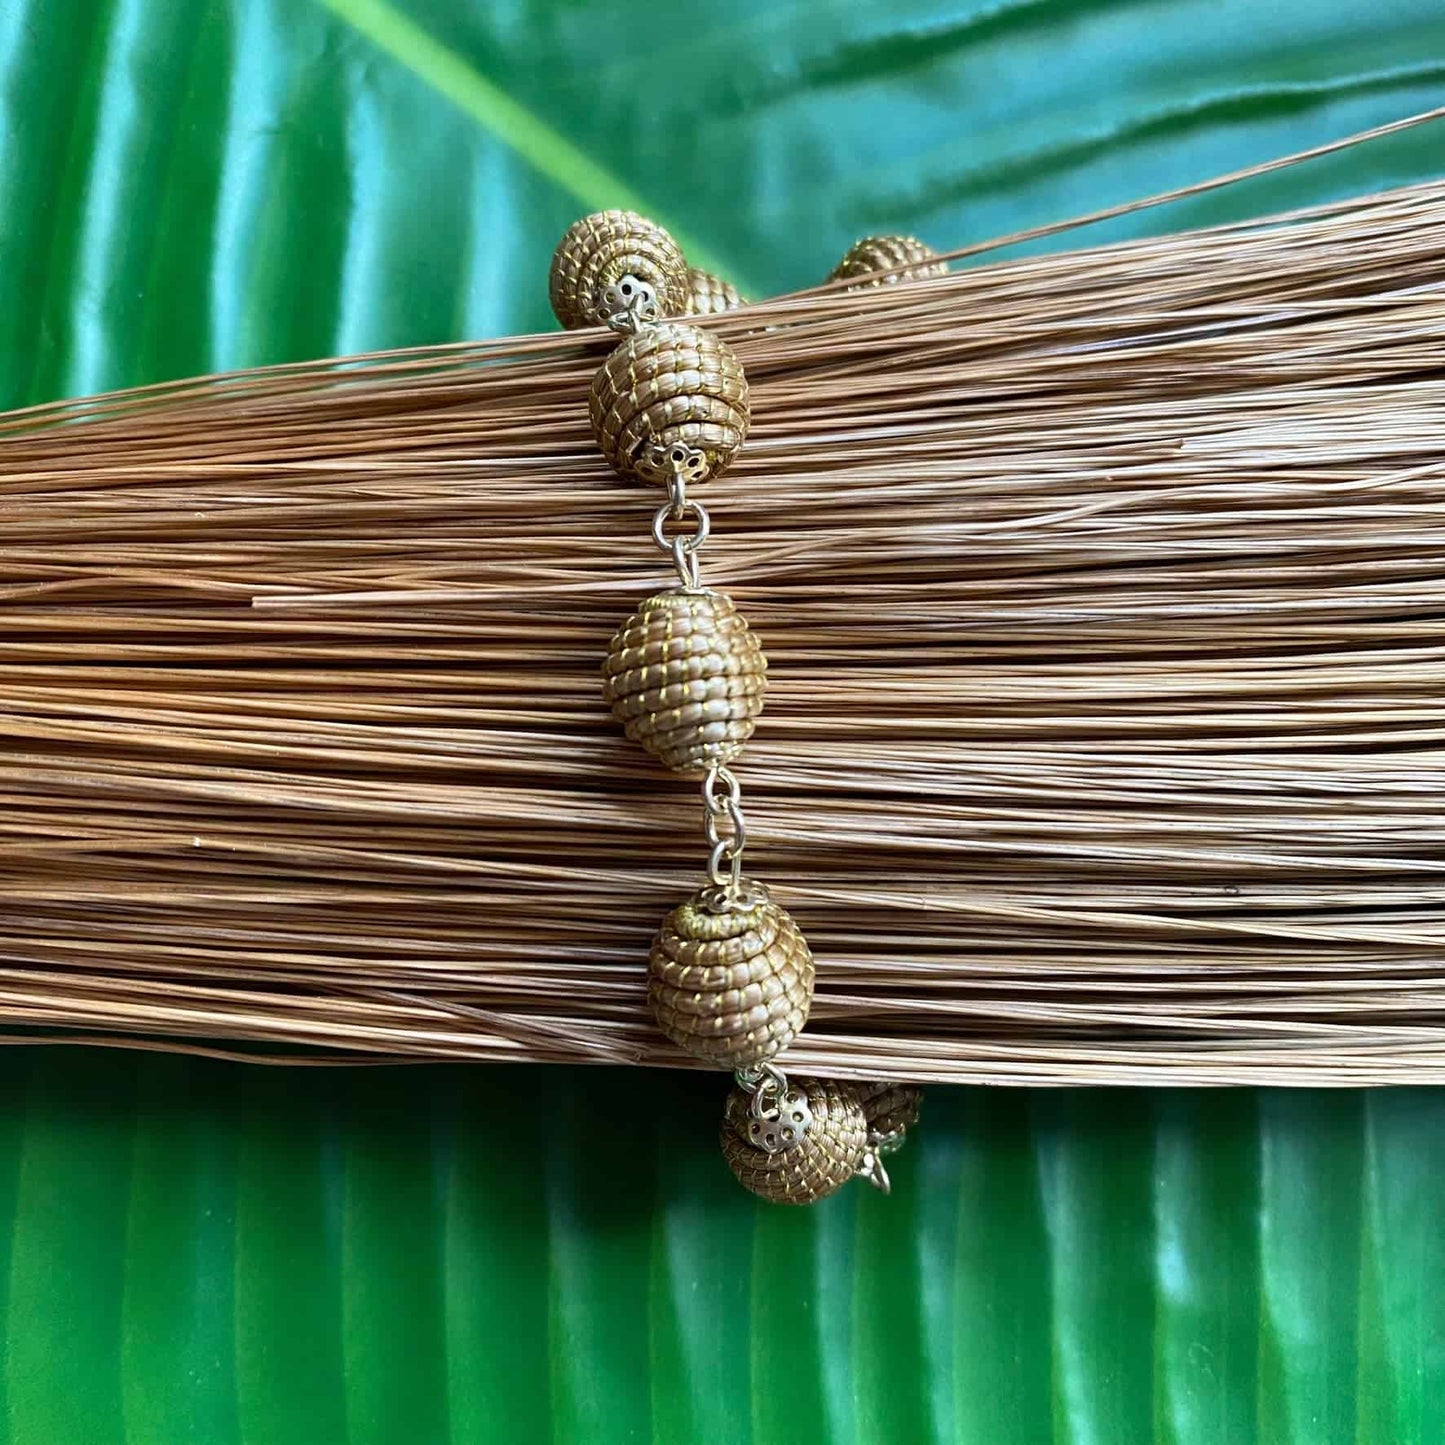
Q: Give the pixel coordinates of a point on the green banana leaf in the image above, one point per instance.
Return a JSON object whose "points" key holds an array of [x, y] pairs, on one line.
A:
{"points": [[201, 1252], [196, 1252]]}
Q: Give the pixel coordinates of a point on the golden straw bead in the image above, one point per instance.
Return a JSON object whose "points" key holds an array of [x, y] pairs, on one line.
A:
{"points": [[671, 386], [730, 985], [686, 676], [599, 251], [891, 1110], [828, 1156], [710, 295], [902, 257]]}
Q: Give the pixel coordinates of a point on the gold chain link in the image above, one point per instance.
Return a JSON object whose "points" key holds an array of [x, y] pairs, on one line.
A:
{"points": [[684, 546], [725, 862]]}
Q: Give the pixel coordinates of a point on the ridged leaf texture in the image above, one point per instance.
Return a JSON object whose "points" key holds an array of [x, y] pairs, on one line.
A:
{"points": [[196, 1252]]}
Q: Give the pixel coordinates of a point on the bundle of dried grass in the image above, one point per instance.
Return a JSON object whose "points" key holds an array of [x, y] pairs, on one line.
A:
{"points": [[1104, 741]]}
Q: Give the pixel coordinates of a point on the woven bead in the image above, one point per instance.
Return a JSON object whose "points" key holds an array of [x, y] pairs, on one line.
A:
{"points": [[671, 385], [732, 987], [685, 676], [902, 257], [828, 1156], [598, 251], [891, 1110], [710, 295]]}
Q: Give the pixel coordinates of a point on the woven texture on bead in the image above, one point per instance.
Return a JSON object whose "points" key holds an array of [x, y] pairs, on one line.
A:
{"points": [[902, 258], [890, 1109], [827, 1158], [710, 295], [731, 987], [672, 383], [599, 250], [685, 676]]}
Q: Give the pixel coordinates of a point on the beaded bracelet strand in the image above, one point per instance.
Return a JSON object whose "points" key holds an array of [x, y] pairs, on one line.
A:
{"points": [[730, 976]]}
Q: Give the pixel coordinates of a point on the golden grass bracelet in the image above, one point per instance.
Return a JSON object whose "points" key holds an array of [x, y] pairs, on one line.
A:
{"points": [[730, 976]]}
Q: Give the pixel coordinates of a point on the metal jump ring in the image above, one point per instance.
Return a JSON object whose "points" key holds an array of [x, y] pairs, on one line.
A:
{"points": [[670, 512], [738, 840], [731, 881], [714, 804]]}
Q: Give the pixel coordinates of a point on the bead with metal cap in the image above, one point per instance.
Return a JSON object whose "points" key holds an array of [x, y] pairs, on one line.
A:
{"points": [[599, 252], [730, 979], [672, 385], [828, 1155]]}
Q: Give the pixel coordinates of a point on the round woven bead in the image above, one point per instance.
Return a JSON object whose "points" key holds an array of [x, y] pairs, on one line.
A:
{"points": [[826, 1158], [710, 295], [671, 385], [891, 1110], [685, 676], [730, 986], [902, 257], [598, 251]]}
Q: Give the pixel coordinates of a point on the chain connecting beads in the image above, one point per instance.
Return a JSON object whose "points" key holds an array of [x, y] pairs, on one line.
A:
{"points": [[730, 976]]}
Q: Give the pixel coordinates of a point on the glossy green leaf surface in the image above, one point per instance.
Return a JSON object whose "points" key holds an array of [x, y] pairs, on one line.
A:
{"points": [[192, 1252], [198, 184], [197, 1252]]}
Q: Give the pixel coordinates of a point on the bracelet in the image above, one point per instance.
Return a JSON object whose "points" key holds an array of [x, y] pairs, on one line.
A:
{"points": [[730, 976]]}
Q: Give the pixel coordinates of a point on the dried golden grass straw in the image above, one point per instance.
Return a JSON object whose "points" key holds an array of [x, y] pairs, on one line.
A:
{"points": [[1103, 597]]}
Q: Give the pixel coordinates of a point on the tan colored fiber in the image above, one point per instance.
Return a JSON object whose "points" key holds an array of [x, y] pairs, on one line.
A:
{"points": [[1104, 601]]}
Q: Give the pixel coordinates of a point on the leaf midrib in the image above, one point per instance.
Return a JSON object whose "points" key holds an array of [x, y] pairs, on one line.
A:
{"points": [[498, 112]]}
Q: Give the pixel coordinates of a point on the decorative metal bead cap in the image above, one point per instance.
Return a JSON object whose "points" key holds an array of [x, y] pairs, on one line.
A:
{"points": [[903, 258], [730, 985], [710, 295], [598, 251], [671, 385], [828, 1156], [686, 677]]}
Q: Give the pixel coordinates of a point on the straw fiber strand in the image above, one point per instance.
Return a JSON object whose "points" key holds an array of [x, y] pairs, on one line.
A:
{"points": [[1104, 741]]}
